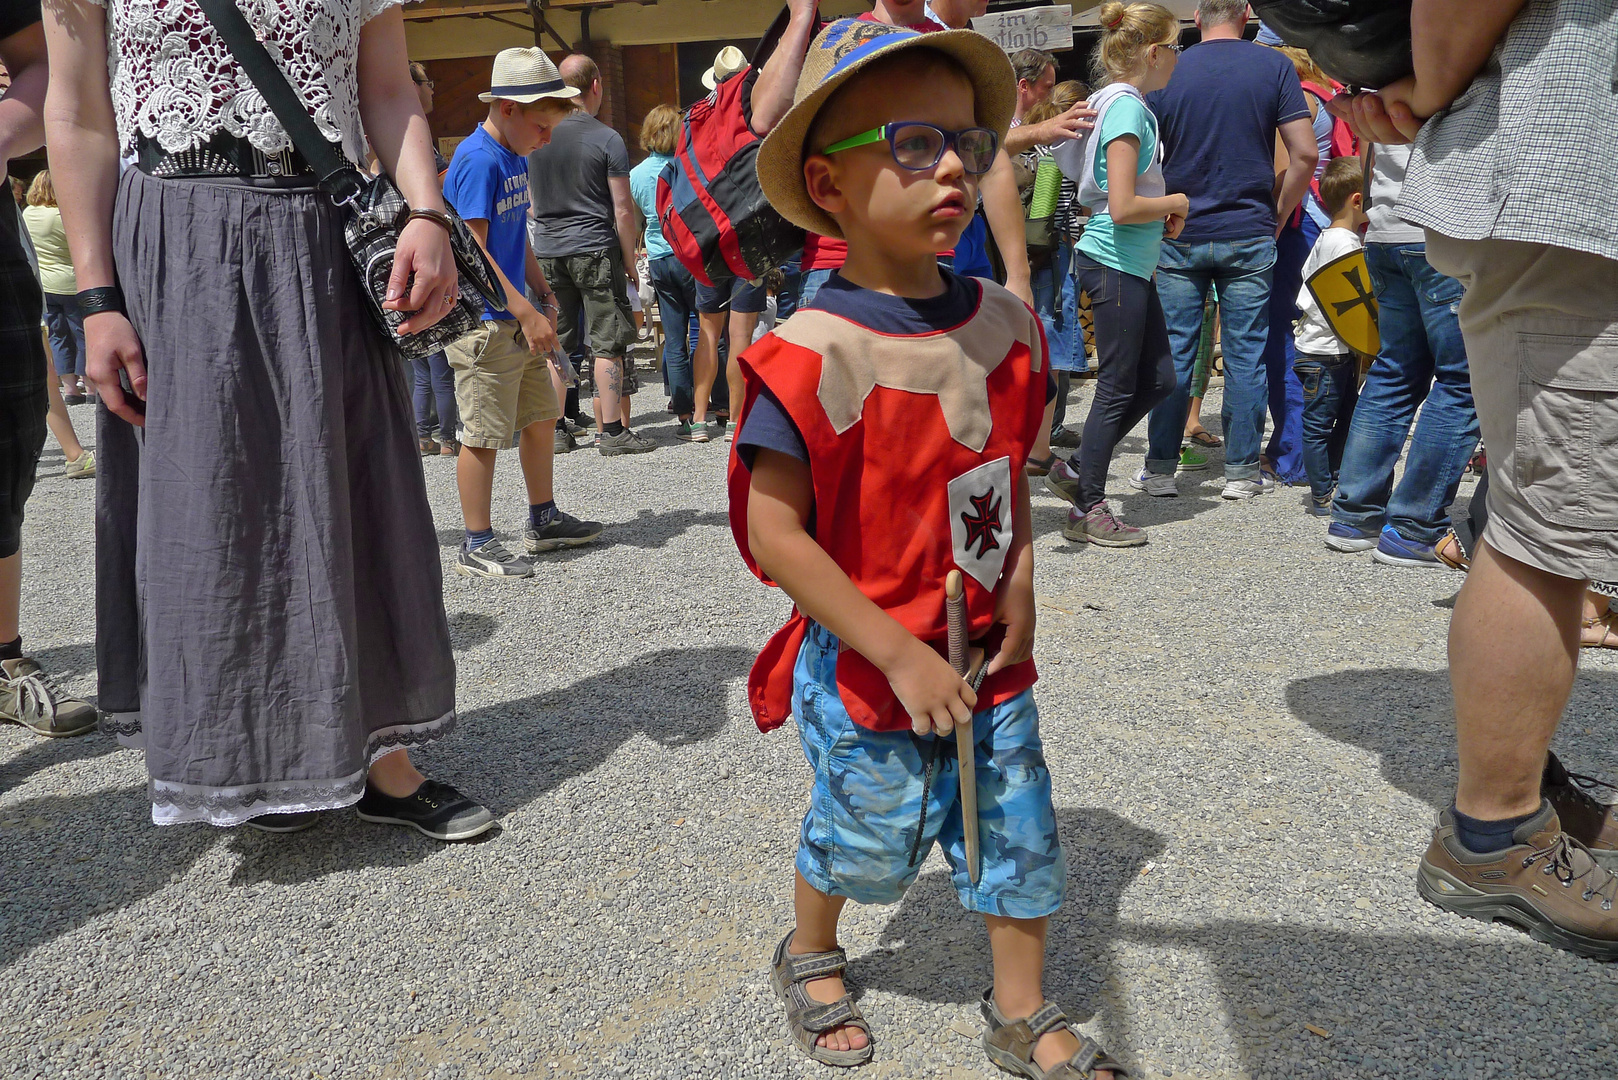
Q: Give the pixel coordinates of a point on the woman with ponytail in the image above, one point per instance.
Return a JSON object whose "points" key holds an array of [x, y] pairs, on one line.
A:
{"points": [[1120, 176]]}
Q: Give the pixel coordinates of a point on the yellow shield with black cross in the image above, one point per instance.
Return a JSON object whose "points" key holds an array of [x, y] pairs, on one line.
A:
{"points": [[1342, 288]]}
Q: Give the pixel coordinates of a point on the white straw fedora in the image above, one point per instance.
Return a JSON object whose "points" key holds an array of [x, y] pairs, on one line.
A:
{"points": [[729, 61], [526, 75]]}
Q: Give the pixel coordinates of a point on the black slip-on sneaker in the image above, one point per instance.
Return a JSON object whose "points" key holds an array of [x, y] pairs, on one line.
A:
{"points": [[435, 809]]}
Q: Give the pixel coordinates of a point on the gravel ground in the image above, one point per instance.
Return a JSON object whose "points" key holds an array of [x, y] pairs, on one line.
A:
{"points": [[1248, 735]]}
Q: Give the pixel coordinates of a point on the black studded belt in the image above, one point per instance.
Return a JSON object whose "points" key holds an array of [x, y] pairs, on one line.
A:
{"points": [[222, 155]]}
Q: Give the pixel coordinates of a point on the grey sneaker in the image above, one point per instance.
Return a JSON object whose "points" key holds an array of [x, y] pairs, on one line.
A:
{"points": [[1065, 437], [691, 431], [1157, 485], [719, 429], [1102, 528], [1247, 489], [563, 530], [82, 468], [625, 442], [492, 560], [1063, 482], [564, 441], [27, 697]]}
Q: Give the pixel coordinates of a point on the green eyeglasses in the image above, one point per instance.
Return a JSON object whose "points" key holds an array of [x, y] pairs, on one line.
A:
{"points": [[919, 147]]}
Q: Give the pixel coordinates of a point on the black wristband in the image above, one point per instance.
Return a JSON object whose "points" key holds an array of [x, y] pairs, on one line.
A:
{"points": [[105, 298]]}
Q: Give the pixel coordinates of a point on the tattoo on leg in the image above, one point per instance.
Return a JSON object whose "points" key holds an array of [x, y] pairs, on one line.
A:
{"points": [[615, 375]]}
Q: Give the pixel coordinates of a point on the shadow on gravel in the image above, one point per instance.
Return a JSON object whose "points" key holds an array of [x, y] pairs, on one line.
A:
{"points": [[646, 530], [1383, 1003], [62, 862], [509, 754], [39, 754], [1407, 718], [935, 950]]}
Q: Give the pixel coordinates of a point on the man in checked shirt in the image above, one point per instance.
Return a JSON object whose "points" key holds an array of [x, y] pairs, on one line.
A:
{"points": [[1512, 179]]}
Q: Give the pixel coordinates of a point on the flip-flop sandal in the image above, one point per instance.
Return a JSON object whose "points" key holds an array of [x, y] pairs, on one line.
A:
{"points": [[1449, 551], [809, 1019], [1205, 438], [1607, 638], [1039, 466], [1010, 1044]]}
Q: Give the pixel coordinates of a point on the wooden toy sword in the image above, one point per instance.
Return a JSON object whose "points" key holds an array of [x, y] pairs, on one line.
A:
{"points": [[965, 750]]}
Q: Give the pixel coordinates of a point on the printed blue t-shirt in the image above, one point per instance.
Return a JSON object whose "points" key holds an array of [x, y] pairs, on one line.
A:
{"points": [[1217, 118], [488, 181]]}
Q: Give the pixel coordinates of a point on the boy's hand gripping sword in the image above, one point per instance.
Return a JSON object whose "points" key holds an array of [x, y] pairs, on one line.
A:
{"points": [[965, 750]]}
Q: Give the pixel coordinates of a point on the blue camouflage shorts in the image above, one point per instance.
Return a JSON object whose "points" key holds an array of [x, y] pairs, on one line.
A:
{"points": [[866, 804]]}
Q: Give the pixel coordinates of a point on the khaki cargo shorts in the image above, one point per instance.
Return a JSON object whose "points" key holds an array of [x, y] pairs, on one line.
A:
{"points": [[1541, 330], [500, 387]]}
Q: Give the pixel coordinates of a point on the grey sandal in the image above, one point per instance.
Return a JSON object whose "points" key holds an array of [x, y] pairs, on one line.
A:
{"points": [[809, 1019], [1010, 1044]]}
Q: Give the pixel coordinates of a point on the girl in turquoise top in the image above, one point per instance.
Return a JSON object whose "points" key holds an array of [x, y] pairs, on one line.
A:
{"points": [[1120, 176]]}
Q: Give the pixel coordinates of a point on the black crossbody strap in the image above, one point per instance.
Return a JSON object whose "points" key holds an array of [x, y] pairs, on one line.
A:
{"points": [[338, 177]]}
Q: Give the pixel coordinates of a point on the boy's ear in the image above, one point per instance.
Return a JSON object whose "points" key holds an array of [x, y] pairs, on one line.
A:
{"points": [[820, 177], [1358, 199]]}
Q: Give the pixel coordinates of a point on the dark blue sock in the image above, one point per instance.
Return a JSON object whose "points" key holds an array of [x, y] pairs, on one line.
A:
{"points": [[543, 514], [475, 540], [11, 650], [1485, 837]]}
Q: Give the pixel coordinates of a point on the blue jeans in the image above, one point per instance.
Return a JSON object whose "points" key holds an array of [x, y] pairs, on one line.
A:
{"points": [[1077, 359], [1330, 386], [1243, 271], [786, 300], [676, 293], [1048, 278], [435, 383], [1422, 359], [809, 284], [65, 325], [1285, 449]]}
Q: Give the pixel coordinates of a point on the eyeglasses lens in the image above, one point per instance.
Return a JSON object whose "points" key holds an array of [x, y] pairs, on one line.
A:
{"points": [[976, 147], [917, 146]]}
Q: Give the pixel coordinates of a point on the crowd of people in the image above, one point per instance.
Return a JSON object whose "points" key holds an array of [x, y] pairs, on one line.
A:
{"points": [[275, 640]]}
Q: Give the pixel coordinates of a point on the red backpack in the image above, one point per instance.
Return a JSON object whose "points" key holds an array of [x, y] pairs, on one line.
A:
{"points": [[709, 202]]}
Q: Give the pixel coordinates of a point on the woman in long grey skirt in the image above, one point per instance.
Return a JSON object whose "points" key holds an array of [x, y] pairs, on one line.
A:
{"points": [[270, 618]]}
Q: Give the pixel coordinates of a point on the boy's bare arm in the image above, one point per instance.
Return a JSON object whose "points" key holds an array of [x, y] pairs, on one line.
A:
{"points": [[777, 518]]}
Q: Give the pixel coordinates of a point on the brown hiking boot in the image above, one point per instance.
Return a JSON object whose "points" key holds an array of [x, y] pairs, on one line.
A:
{"points": [[1102, 528], [1585, 818], [1546, 883], [27, 698]]}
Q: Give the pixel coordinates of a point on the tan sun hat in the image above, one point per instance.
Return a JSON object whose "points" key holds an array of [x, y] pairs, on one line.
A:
{"points": [[841, 51], [524, 76], [729, 61]]}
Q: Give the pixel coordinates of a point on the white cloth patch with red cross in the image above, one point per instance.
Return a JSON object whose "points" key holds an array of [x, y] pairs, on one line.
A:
{"points": [[980, 519]]}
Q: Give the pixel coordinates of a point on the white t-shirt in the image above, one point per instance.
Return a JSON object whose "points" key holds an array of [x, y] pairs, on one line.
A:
{"points": [[1313, 335]]}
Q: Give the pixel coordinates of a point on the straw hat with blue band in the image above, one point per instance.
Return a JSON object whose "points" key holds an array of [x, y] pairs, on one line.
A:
{"points": [[841, 51], [526, 76]]}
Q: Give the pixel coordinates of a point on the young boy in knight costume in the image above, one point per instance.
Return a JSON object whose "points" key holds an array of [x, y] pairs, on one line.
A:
{"points": [[881, 446]]}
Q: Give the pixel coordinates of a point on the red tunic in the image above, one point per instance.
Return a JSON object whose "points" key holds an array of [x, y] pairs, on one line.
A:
{"points": [[916, 444]]}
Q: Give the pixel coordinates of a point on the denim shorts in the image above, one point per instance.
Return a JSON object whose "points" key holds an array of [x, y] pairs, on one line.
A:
{"points": [[866, 802]]}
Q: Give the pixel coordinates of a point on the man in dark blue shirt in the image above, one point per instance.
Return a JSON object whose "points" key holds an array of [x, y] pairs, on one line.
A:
{"points": [[1220, 116]]}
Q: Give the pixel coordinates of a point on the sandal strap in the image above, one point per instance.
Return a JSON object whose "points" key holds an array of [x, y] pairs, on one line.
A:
{"points": [[1091, 1057], [1048, 1018], [810, 966], [817, 1017]]}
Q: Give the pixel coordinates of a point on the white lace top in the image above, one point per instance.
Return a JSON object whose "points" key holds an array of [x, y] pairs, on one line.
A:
{"points": [[173, 79]]}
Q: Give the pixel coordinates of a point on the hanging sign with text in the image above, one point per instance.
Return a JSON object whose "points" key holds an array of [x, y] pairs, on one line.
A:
{"points": [[1048, 28]]}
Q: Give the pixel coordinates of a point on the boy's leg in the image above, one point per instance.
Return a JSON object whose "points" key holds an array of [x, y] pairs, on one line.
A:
{"points": [[1346, 385], [488, 372], [1018, 946], [747, 303], [710, 324], [815, 930], [538, 408], [1319, 416]]}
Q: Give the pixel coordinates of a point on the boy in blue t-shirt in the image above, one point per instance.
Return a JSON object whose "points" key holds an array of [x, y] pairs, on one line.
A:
{"points": [[502, 375]]}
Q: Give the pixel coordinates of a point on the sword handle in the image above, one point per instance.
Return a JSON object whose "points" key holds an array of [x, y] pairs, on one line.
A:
{"points": [[955, 620]]}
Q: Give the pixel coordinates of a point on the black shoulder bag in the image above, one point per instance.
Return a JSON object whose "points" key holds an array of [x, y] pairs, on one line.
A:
{"points": [[1360, 43], [374, 210]]}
